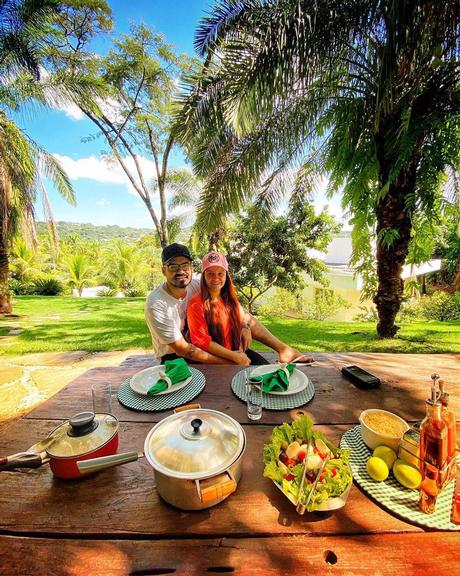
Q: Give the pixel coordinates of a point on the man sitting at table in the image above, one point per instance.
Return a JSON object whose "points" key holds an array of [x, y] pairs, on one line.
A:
{"points": [[166, 313]]}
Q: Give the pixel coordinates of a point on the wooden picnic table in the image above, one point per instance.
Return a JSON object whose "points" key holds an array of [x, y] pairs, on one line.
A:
{"points": [[114, 522]]}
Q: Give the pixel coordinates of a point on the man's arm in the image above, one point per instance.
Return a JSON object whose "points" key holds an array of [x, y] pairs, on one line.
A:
{"points": [[187, 350]]}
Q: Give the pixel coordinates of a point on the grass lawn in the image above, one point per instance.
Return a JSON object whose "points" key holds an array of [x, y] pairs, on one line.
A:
{"points": [[58, 324]]}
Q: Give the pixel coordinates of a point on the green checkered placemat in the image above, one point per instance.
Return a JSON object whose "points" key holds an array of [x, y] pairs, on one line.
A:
{"points": [[272, 401], [135, 401], [391, 495]]}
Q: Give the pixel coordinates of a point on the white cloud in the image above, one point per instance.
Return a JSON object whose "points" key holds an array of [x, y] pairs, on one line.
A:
{"points": [[72, 111], [102, 202], [105, 171]]}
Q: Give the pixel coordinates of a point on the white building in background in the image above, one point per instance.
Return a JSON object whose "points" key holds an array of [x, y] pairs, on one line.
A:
{"points": [[342, 277]]}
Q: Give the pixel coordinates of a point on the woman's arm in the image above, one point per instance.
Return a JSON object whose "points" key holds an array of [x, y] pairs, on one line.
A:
{"points": [[233, 356], [246, 335]]}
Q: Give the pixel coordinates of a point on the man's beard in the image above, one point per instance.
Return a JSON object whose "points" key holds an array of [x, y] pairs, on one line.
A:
{"points": [[180, 282]]}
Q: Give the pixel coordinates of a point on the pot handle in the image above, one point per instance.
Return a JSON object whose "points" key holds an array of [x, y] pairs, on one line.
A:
{"points": [[195, 406], [97, 464], [23, 460], [215, 488]]}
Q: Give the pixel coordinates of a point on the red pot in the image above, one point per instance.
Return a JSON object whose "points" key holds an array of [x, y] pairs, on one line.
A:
{"points": [[86, 435]]}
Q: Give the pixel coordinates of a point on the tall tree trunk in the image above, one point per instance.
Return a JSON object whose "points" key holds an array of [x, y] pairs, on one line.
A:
{"points": [[5, 300], [457, 275], [392, 214]]}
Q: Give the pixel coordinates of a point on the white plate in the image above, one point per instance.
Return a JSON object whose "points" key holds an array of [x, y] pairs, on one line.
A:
{"points": [[297, 381], [145, 379]]}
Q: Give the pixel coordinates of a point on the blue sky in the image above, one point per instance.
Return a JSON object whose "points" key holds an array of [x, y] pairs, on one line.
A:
{"points": [[103, 195]]}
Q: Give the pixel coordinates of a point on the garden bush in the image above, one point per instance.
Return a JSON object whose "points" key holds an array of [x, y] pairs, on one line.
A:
{"points": [[326, 304], [48, 287], [286, 304], [441, 306], [107, 292], [281, 303], [21, 288]]}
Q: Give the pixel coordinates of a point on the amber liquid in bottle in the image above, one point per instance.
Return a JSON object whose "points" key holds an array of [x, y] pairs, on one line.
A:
{"points": [[433, 438], [449, 419], [429, 491]]}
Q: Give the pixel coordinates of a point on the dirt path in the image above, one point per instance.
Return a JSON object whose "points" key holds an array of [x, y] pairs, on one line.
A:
{"points": [[29, 379]]}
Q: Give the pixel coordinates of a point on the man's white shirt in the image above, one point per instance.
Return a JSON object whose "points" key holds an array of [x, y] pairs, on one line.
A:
{"points": [[166, 315]]}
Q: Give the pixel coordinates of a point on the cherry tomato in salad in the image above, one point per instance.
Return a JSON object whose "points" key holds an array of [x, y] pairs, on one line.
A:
{"points": [[301, 456], [289, 477]]}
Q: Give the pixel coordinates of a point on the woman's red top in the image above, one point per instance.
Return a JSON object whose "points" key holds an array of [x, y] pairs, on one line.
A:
{"points": [[199, 332]]}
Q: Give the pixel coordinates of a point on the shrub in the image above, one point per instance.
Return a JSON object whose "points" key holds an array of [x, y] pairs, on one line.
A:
{"points": [[411, 310], [281, 303], [135, 291], [367, 314], [21, 288], [441, 306], [326, 304], [107, 292], [48, 287]]}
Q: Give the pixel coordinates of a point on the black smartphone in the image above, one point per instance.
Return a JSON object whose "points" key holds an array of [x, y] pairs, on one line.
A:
{"points": [[360, 377]]}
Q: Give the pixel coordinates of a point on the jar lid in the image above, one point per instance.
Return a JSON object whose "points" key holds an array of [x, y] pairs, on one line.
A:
{"points": [[194, 444], [83, 433]]}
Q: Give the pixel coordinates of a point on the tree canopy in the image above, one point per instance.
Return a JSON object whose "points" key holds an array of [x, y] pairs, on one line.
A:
{"points": [[365, 92]]}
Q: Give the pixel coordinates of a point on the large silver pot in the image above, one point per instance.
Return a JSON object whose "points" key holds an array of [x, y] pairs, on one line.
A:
{"points": [[196, 455]]}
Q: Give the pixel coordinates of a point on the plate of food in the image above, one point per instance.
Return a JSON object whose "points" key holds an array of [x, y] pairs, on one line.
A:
{"points": [[145, 379], [307, 467], [298, 381]]}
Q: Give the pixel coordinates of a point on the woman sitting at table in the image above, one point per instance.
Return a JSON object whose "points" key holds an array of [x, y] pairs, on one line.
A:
{"points": [[215, 317]]}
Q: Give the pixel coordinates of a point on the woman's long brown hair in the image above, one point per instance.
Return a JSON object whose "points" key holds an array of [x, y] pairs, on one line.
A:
{"points": [[231, 303]]}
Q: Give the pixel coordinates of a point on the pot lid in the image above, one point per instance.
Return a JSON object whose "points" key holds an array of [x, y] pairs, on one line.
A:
{"points": [[194, 444], [83, 433]]}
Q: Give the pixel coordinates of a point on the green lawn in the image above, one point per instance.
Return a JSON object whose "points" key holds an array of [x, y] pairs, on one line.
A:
{"points": [[60, 324]]}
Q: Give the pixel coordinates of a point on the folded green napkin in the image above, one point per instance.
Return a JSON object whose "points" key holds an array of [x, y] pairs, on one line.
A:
{"points": [[277, 381], [176, 371]]}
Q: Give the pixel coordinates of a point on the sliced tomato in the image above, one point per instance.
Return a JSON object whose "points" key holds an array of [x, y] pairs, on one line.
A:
{"points": [[301, 456], [289, 477]]}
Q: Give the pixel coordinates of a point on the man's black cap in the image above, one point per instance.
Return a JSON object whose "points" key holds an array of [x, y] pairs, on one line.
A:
{"points": [[174, 250]]}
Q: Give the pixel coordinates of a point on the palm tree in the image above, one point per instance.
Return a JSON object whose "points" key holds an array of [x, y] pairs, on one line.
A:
{"points": [[125, 267], [25, 30], [80, 272], [363, 91]]}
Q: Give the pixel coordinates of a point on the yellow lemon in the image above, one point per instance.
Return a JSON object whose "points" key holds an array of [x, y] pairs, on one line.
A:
{"points": [[377, 469], [386, 454], [406, 474]]}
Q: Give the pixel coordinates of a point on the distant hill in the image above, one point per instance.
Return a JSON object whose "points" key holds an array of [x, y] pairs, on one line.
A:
{"points": [[98, 233]]}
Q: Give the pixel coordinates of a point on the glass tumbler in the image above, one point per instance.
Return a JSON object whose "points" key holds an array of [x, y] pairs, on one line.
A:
{"points": [[254, 400], [102, 397]]}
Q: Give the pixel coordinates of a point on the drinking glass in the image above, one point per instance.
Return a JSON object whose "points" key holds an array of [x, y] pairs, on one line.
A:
{"points": [[254, 400], [102, 397]]}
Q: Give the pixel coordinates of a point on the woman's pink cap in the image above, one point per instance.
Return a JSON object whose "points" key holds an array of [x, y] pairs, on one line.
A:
{"points": [[214, 259]]}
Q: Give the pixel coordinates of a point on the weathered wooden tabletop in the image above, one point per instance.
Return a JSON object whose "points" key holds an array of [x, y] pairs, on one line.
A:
{"points": [[114, 522]]}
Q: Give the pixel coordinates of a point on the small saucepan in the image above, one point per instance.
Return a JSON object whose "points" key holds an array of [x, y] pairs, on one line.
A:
{"points": [[196, 456], [86, 435]]}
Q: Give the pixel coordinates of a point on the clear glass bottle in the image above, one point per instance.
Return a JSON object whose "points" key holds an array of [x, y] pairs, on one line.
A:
{"points": [[429, 490]]}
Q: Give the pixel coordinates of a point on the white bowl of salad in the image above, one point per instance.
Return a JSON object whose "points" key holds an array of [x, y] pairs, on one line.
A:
{"points": [[285, 458]]}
